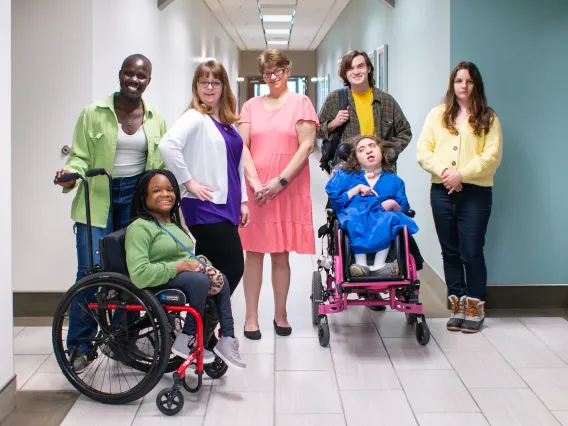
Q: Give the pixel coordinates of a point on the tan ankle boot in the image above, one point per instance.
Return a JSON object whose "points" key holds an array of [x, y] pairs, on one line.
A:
{"points": [[474, 315], [457, 315]]}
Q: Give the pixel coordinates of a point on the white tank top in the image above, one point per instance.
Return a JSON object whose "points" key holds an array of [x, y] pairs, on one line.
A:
{"points": [[131, 153]]}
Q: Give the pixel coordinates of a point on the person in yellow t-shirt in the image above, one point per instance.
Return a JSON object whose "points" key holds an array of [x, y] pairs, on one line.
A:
{"points": [[461, 146], [370, 111]]}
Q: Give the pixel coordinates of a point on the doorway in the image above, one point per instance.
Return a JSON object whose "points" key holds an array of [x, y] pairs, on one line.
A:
{"points": [[257, 86]]}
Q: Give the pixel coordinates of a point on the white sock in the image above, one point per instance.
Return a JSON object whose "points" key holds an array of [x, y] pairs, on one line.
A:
{"points": [[380, 259], [361, 259]]}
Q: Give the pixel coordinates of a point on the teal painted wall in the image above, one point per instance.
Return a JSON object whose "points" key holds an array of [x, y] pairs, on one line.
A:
{"points": [[521, 49]]}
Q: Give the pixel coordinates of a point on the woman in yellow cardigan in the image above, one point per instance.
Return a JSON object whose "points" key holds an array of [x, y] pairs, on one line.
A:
{"points": [[461, 146]]}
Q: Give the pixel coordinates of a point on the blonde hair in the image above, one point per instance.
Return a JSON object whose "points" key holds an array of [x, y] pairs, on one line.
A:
{"points": [[228, 101], [273, 58]]}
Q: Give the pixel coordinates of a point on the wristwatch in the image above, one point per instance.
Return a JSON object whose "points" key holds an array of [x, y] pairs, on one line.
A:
{"points": [[282, 181]]}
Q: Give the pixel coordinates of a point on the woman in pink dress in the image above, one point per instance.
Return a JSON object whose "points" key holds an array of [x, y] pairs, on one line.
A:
{"points": [[279, 132]]}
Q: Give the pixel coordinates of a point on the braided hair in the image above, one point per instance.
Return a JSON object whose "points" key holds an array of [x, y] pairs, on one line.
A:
{"points": [[139, 209]]}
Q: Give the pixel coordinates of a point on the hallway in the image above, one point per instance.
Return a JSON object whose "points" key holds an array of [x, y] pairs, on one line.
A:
{"points": [[373, 373]]}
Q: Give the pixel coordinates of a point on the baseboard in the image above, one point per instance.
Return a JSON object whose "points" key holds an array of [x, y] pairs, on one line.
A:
{"points": [[541, 297], [534, 299], [518, 300], [36, 304], [8, 399]]}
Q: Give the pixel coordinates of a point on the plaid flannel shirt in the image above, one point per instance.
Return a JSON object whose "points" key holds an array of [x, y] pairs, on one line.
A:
{"points": [[390, 123]]}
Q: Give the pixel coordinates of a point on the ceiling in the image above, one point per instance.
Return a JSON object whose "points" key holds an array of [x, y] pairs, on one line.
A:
{"points": [[307, 24]]}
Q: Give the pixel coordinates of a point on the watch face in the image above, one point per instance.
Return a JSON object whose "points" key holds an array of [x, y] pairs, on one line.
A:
{"points": [[283, 181]]}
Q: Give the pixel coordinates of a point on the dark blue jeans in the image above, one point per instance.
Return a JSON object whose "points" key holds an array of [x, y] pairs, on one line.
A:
{"points": [[82, 325], [195, 285], [461, 223]]}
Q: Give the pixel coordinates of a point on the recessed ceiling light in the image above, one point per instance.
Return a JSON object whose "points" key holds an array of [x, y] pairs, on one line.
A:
{"points": [[277, 31], [282, 42], [277, 18]]}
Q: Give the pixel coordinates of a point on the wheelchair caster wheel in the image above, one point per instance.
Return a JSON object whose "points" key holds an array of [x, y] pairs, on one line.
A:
{"points": [[411, 319], [323, 332], [169, 401], [216, 369], [422, 333], [317, 296]]}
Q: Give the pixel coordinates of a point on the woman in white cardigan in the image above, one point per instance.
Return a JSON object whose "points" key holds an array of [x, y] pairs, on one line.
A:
{"points": [[205, 153]]}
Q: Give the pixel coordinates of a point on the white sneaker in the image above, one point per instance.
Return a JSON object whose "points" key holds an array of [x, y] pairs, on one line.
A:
{"points": [[183, 345], [228, 350]]}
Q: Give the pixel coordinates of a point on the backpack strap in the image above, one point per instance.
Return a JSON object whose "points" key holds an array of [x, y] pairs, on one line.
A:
{"points": [[343, 98]]}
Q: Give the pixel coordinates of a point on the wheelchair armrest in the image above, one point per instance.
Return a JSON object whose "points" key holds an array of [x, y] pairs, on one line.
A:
{"points": [[411, 213]]}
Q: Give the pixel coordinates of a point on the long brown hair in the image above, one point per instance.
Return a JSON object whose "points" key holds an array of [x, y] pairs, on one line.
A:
{"points": [[481, 116], [346, 62], [353, 165], [228, 101]]}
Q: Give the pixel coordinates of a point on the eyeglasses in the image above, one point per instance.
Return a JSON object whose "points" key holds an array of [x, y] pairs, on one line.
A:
{"points": [[277, 73], [215, 84]]}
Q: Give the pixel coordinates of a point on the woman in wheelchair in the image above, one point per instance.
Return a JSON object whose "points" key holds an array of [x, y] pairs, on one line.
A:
{"points": [[158, 255], [370, 202]]}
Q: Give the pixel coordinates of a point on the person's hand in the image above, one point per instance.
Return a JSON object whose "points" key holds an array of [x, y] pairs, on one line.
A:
{"points": [[192, 265], [60, 173], [187, 265], [245, 215], [341, 118], [256, 186], [452, 181], [391, 205], [365, 190], [271, 189], [202, 192]]}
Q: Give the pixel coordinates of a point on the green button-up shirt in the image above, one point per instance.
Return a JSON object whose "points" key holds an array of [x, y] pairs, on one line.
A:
{"points": [[94, 146]]}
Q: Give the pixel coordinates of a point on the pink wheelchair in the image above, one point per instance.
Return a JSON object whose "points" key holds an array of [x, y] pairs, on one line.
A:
{"points": [[342, 290]]}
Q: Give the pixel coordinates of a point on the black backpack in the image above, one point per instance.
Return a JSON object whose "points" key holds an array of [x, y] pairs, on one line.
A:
{"points": [[329, 147]]}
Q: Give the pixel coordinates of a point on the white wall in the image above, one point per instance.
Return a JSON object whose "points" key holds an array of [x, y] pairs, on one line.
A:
{"points": [[418, 38], [67, 55], [6, 336]]}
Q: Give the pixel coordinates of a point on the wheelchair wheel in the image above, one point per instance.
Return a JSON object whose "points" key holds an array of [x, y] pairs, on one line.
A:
{"points": [[323, 332], [124, 365], [317, 295], [216, 369], [422, 333], [169, 401], [410, 319]]}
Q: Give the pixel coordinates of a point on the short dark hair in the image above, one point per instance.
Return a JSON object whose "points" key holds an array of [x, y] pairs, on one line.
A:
{"points": [[346, 62], [136, 56]]}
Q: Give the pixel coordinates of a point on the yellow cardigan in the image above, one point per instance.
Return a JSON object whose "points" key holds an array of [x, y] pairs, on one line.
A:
{"points": [[475, 157]]}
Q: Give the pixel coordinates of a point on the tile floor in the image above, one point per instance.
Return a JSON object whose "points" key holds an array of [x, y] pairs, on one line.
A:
{"points": [[374, 372]]}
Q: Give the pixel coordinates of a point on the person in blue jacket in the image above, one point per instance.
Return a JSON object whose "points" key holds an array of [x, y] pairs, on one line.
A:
{"points": [[370, 202]]}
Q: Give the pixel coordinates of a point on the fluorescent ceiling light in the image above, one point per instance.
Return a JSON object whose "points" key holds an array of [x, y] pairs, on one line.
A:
{"points": [[277, 41], [277, 18], [276, 31]]}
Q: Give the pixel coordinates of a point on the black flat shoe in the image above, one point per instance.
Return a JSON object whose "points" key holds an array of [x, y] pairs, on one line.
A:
{"points": [[282, 331], [253, 335]]}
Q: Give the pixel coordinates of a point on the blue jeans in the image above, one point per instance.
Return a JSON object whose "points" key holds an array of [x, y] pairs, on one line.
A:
{"points": [[195, 285], [82, 325], [461, 223]]}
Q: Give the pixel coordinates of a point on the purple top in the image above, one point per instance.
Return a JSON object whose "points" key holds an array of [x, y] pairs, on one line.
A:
{"points": [[197, 212]]}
